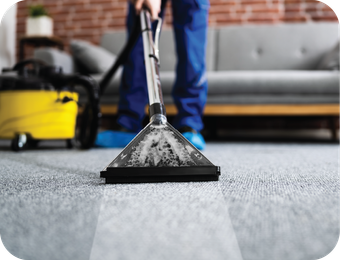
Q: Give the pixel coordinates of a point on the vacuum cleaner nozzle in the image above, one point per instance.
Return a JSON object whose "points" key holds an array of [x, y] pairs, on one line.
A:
{"points": [[160, 153]]}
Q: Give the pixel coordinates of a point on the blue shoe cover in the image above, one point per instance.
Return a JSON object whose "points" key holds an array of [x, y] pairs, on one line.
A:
{"points": [[113, 139], [196, 139]]}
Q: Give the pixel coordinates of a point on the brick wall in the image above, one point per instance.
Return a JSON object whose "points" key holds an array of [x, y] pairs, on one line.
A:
{"points": [[88, 19], [224, 12]]}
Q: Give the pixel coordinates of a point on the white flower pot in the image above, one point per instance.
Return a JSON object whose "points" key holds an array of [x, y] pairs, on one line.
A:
{"points": [[39, 26]]}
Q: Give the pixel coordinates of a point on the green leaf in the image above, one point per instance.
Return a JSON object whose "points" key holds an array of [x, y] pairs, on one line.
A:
{"points": [[37, 10]]}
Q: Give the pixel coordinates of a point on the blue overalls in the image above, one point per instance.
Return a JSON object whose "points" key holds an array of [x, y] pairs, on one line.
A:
{"points": [[190, 22]]}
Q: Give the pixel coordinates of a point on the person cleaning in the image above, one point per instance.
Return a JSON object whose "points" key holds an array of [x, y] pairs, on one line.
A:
{"points": [[190, 23]]}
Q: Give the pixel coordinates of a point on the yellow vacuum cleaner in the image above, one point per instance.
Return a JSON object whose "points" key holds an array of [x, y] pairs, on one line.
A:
{"points": [[38, 102]]}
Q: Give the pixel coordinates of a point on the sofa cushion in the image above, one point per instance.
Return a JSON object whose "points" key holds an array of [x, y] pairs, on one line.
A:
{"points": [[273, 82], [274, 47], [271, 99], [168, 58], [55, 57], [254, 87], [94, 58], [114, 41], [330, 61]]}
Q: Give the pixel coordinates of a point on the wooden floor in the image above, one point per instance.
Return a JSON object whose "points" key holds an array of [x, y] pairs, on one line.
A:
{"points": [[256, 110], [329, 111]]}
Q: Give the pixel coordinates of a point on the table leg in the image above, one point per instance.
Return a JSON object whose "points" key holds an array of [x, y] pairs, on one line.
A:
{"points": [[21, 50]]}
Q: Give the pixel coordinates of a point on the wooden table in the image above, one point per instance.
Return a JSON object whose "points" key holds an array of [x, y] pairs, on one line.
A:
{"points": [[38, 41]]}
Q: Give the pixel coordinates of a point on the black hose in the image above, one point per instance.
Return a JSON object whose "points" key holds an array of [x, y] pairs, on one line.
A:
{"points": [[136, 31], [90, 118]]}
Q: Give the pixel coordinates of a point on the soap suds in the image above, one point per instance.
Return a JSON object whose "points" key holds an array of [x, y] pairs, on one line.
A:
{"points": [[160, 148]]}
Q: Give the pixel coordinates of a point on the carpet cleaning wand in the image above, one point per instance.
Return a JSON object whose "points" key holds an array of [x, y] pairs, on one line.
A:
{"points": [[159, 152], [151, 56]]}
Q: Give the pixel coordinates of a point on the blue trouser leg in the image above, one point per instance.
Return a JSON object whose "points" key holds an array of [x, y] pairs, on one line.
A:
{"points": [[133, 95], [190, 89]]}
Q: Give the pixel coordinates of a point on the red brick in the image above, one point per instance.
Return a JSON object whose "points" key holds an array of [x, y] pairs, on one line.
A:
{"points": [[324, 6], [20, 28], [325, 16], [253, 2], [90, 26], [117, 22], [71, 26], [61, 11], [224, 23], [294, 18], [62, 18], [240, 11], [218, 9], [82, 9], [211, 19], [123, 4], [71, 3], [117, 13], [82, 17], [116, 27], [330, 12], [99, 2], [323, 19], [114, 6], [51, 5], [22, 4], [293, 1], [20, 34], [265, 9], [227, 19], [258, 19], [21, 19], [223, 2], [311, 9], [21, 9], [293, 8]]}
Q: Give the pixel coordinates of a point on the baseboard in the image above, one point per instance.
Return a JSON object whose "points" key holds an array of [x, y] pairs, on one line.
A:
{"points": [[247, 110]]}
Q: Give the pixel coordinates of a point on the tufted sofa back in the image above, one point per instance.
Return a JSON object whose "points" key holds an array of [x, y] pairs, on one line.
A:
{"points": [[274, 47], [250, 47]]}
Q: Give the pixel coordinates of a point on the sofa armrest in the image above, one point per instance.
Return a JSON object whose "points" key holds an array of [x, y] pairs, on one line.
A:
{"points": [[330, 61], [56, 57]]}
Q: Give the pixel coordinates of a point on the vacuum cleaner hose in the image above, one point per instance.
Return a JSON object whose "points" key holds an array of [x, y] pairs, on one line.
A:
{"points": [[122, 57], [90, 118]]}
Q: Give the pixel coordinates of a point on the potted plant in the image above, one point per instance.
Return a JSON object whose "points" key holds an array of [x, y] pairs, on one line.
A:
{"points": [[38, 23]]}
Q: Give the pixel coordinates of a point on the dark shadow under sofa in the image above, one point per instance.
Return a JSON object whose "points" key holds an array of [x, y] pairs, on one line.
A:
{"points": [[252, 70]]}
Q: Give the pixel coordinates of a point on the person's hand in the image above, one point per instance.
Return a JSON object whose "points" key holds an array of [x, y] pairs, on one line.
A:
{"points": [[153, 5]]}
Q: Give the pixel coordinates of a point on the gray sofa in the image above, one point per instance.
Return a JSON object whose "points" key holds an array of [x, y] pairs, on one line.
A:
{"points": [[247, 66]]}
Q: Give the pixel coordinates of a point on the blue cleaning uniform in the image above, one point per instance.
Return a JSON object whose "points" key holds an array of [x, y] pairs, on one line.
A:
{"points": [[190, 23]]}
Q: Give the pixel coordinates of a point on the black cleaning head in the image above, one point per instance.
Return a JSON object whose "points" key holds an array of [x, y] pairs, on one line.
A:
{"points": [[160, 153]]}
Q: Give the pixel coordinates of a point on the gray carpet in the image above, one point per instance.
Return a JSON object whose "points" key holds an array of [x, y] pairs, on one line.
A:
{"points": [[273, 201]]}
